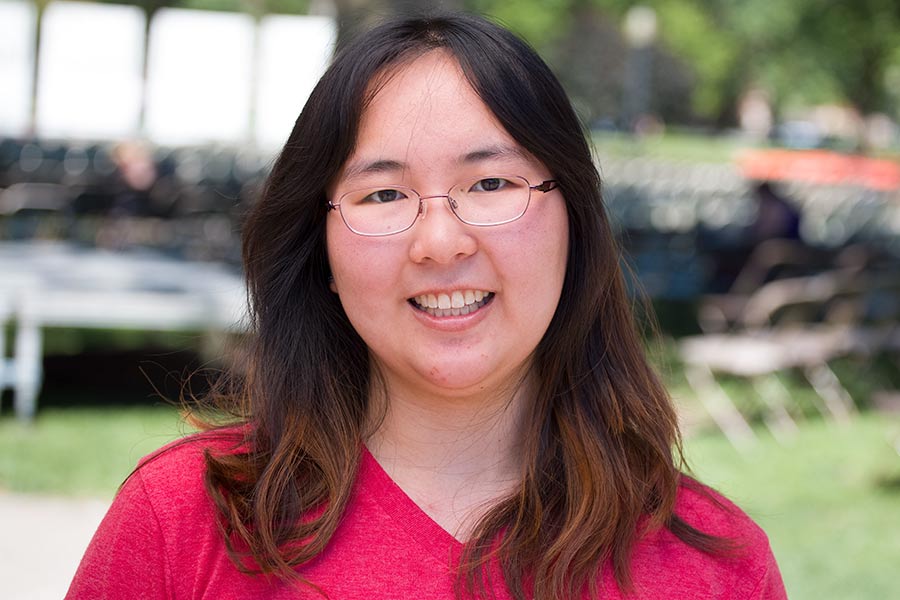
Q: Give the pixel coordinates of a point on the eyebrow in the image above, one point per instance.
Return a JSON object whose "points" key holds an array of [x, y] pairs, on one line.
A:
{"points": [[392, 166], [376, 166], [491, 152]]}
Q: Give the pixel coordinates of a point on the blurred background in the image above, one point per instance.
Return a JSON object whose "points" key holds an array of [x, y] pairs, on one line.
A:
{"points": [[751, 161]]}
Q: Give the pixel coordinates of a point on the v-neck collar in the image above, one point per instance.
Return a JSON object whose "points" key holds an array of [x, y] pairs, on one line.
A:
{"points": [[376, 482]]}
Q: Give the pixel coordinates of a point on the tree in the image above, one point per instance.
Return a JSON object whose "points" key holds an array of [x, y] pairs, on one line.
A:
{"points": [[709, 52], [803, 52]]}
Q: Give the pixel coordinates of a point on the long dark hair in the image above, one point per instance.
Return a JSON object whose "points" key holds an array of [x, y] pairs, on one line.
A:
{"points": [[602, 453]]}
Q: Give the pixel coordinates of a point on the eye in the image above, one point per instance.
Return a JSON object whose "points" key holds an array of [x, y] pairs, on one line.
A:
{"points": [[384, 196], [489, 184]]}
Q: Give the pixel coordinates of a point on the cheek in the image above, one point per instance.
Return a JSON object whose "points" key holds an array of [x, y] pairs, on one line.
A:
{"points": [[538, 249], [344, 252], [344, 258], [554, 234], [363, 268]]}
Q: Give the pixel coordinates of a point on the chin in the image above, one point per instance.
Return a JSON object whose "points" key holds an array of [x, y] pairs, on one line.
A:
{"points": [[463, 379]]}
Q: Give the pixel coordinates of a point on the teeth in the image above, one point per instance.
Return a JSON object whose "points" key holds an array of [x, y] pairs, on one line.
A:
{"points": [[456, 303]]}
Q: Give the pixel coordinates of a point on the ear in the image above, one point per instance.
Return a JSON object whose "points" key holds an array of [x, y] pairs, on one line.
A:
{"points": [[331, 284]]}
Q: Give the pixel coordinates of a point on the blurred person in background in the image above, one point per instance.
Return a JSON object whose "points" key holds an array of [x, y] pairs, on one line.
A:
{"points": [[771, 240], [137, 171], [776, 217], [446, 395]]}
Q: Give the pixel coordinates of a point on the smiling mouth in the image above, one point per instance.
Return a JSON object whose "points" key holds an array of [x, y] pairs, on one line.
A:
{"points": [[457, 303]]}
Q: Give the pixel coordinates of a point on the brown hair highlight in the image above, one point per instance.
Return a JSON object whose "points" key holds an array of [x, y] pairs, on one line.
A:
{"points": [[602, 453]]}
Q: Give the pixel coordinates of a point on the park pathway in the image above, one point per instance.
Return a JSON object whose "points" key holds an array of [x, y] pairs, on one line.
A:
{"points": [[41, 542]]}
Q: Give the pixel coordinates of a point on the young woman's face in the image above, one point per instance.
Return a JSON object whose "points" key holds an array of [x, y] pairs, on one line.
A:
{"points": [[426, 129]]}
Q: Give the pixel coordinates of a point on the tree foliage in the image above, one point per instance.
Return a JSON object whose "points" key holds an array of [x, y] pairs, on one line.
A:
{"points": [[708, 52], [801, 52]]}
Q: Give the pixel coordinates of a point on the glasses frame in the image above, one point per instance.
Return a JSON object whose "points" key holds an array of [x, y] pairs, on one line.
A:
{"points": [[543, 187]]}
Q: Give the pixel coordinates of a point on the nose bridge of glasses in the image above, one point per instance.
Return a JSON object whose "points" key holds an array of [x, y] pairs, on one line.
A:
{"points": [[453, 204]]}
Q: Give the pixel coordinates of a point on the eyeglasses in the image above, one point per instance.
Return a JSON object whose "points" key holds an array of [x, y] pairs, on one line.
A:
{"points": [[482, 202]]}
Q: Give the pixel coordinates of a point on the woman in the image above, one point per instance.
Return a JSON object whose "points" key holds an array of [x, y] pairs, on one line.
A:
{"points": [[446, 395]]}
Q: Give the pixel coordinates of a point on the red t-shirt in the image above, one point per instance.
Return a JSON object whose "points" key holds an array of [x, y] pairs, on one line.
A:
{"points": [[160, 540]]}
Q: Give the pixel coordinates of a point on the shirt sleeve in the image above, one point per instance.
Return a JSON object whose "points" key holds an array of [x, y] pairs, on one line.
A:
{"points": [[770, 586], [127, 556]]}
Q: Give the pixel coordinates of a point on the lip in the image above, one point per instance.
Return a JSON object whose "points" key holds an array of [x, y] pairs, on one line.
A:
{"points": [[454, 322]]}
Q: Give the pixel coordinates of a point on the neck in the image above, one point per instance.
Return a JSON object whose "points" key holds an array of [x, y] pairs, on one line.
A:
{"points": [[454, 456]]}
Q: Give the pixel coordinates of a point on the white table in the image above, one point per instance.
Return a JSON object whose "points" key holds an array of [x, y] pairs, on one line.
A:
{"points": [[61, 285]]}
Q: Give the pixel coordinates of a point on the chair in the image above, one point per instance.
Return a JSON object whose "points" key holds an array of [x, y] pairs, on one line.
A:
{"points": [[800, 324]]}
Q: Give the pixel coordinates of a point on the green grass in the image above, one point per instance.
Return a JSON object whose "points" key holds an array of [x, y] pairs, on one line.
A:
{"points": [[81, 451], [829, 499], [686, 145], [671, 146]]}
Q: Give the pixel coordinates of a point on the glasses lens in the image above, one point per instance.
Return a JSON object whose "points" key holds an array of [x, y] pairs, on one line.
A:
{"points": [[491, 200], [379, 211]]}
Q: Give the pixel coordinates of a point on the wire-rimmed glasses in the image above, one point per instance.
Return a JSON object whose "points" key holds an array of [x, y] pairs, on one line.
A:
{"points": [[481, 201]]}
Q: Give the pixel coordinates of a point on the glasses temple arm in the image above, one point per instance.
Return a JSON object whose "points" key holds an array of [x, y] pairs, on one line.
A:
{"points": [[546, 186]]}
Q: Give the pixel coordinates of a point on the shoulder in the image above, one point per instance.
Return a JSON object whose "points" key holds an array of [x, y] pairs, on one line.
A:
{"points": [[744, 567], [183, 461], [711, 512], [171, 480], [161, 526]]}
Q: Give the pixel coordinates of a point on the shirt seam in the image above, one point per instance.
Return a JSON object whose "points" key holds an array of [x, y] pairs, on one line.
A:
{"points": [[756, 588], [165, 554]]}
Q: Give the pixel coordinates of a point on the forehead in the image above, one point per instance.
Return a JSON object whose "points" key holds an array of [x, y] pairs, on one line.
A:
{"points": [[415, 81], [423, 102], [425, 125]]}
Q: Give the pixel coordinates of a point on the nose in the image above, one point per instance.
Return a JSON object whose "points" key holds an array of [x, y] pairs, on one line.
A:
{"points": [[439, 235]]}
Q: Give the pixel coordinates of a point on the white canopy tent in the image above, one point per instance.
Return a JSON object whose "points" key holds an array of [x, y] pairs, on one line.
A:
{"points": [[90, 76], [293, 53], [199, 77], [17, 30]]}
